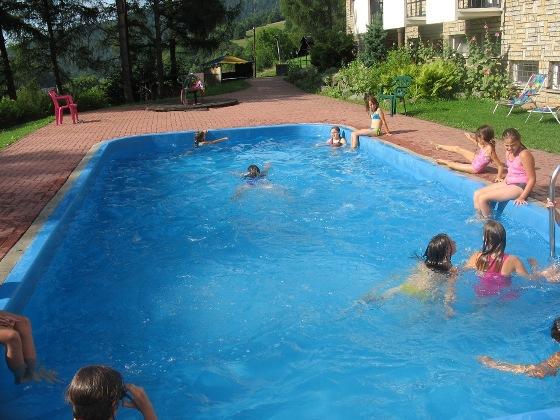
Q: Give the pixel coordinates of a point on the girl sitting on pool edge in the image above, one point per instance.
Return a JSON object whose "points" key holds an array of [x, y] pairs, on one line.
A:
{"points": [[377, 121]]}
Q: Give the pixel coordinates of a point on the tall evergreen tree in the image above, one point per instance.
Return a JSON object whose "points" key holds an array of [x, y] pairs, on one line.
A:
{"points": [[314, 17], [124, 50]]}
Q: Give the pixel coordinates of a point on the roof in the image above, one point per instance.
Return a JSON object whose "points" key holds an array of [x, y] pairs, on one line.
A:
{"points": [[225, 59]]}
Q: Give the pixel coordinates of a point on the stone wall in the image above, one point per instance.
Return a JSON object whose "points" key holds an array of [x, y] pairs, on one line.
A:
{"points": [[531, 31]]}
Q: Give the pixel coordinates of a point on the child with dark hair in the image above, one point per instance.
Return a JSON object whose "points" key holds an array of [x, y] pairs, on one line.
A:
{"points": [[200, 139], [548, 367], [495, 267], [336, 140], [17, 337], [483, 138], [519, 181], [435, 274], [253, 177], [96, 391], [377, 121]]}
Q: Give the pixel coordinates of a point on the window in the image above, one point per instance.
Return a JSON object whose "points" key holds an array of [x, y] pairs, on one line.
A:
{"points": [[376, 7], [459, 44], [521, 71], [554, 75]]}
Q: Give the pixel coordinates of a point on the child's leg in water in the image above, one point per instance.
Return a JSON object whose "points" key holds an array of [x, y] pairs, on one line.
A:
{"points": [[355, 134], [494, 192]]}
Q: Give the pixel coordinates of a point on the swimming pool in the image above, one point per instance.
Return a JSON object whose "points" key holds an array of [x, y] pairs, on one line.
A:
{"points": [[245, 308]]}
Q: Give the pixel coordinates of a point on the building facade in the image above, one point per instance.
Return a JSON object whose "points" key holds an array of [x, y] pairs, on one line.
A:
{"points": [[528, 30]]}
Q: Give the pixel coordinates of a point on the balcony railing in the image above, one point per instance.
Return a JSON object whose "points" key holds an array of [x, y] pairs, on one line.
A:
{"points": [[415, 8], [478, 4]]}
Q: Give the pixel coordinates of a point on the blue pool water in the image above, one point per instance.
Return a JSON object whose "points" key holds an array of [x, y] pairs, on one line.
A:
{"points": [[246, 308]]}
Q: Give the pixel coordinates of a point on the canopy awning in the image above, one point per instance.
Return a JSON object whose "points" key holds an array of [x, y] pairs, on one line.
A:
{"points": [[225, 59]]}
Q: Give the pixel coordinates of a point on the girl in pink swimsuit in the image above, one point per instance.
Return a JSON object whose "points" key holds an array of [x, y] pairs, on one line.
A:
{"points": [[495, 267], [519, 181], [484, 139]]}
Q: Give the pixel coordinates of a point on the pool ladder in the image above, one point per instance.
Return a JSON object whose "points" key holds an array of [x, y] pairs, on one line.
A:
{"points": [[552, 216]]}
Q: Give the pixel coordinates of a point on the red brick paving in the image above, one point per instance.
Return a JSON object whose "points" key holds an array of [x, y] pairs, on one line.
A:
{"points": [[33, 169]]}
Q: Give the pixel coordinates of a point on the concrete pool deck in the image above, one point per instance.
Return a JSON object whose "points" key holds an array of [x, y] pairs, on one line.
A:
{"points": [[35, 168]]}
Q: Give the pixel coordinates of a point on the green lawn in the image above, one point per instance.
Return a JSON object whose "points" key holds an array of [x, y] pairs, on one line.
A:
{"points": [[468, 114], [13, 134]]}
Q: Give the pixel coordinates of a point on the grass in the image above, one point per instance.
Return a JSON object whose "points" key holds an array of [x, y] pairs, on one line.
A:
{"points": [[13, 134], [468, 114]]}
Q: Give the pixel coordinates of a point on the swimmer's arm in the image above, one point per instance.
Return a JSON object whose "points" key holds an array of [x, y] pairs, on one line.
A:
{"points": [[551, 273], [471, 137], [499, 165], [265, 170], [548, 367], [214, 141], [471, 262], [384, 121], [342, 141], [388, 294], [528, 163]]}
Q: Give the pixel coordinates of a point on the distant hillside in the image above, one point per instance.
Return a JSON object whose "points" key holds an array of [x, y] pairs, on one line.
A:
{"points": [[251, 7], [249, 34]]}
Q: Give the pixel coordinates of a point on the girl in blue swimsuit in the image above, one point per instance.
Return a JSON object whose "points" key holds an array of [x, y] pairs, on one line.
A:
{"points": [[377, 121]]}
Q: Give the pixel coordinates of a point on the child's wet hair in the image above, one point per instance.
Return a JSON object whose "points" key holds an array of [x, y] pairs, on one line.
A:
{"points": [[493, 243], [94, 392], [199, 136], [336, 128], [486, 133], [438, 253], [555, 329], [368, 97], [253, 169]]}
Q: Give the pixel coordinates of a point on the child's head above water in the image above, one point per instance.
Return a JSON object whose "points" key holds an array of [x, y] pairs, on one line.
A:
{"points": [[555, 329], [253, 171], [493, 243], [512, 140], [438, 253], [335, 132], [199, 137]]}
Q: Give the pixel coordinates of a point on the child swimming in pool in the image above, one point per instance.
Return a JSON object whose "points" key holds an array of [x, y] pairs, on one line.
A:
{"points": [[548, 367], [17, 337], [435, 275], [377, 121], [519, 181], [484, 140], [200, 139], [495, 267], [336, 140], [254, 177]]}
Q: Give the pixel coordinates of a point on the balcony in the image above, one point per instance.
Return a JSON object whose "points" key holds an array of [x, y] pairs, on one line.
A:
{"points": [[475, 9], [415, 12]]}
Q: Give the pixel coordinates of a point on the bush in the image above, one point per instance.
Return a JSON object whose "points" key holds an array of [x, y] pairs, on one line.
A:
{"points": [[31, 104], [333, 50], [307, 79], [438, 79], [354, 79], [89, 92]]}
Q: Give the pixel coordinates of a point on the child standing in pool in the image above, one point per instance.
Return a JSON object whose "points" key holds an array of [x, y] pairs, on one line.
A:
{"points": [[519, 181], [200, 139], [484, 140], [435, 275], [548, 367], [377, 121], [336, 140], [495, 267]]}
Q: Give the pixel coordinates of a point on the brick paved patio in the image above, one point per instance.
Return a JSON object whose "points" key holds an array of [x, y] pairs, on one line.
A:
{"points": [[33, 169]]}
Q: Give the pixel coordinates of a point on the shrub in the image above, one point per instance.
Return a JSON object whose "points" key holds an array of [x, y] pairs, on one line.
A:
{"points": [[31, 104], [89, 92], [353, 79], [334, 49], [307, 79], [438, 79]]}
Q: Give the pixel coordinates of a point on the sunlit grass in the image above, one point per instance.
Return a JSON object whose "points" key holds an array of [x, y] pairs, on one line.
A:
{"points": [[13, 134]]}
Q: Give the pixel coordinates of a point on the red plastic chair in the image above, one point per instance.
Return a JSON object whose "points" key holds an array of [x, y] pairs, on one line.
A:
{"points": [[59, 109]]}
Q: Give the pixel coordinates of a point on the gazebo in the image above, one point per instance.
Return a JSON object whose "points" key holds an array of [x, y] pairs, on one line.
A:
{"points": [[213, 73]]}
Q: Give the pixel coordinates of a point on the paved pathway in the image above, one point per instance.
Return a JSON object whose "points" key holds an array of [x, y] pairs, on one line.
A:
{"points": [[33, 169]]}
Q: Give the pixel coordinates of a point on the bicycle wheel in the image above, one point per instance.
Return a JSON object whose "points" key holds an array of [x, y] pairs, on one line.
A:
{"points": [[183, 96]]}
